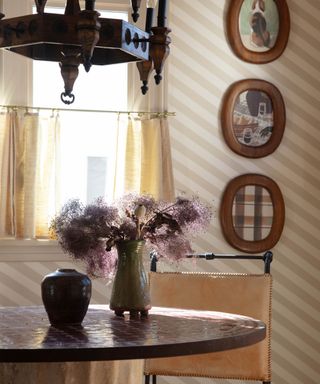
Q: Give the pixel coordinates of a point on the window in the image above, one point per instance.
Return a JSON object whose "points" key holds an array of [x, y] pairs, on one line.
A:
{"points": [[88, 140]]}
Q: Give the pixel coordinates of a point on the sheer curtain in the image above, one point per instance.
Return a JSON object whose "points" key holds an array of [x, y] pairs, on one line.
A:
{"points": [[144, 162], [29, 165]]}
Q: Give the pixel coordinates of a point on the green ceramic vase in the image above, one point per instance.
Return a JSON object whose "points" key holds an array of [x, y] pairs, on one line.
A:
{"points": [[130, 291]]}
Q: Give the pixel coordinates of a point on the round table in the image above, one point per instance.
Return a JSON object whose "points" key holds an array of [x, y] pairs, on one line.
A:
{"points": [[26, 335]]}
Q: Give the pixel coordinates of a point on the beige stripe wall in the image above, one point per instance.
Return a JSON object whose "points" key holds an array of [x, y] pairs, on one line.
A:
{"points": [[201, 68]]}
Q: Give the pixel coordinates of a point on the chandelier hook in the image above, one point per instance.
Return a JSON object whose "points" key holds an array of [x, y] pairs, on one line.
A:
{"points": [[67, 98]]}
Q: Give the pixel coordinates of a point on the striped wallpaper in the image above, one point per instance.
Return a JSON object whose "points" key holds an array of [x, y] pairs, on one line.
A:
{"points": [[200, 68]]}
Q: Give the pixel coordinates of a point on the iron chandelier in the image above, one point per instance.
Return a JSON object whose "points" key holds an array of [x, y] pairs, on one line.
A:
{"points": [[83, 37]]}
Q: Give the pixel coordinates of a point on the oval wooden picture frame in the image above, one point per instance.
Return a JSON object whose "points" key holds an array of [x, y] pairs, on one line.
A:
{"points": [[226, 213], [227, 111], [234, 36]]}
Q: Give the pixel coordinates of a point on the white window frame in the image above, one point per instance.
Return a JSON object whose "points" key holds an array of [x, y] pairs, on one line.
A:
{"points": [[14, 73]]}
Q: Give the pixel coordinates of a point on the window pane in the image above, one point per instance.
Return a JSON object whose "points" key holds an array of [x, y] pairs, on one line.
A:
{"points": [[90, 136]]}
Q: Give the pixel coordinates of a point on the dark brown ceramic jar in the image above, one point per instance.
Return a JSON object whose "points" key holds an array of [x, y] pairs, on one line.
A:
{"points": [[66, 295]]}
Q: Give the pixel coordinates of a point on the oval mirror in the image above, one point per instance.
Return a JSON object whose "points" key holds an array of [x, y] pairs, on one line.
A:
{"points": [[252, 213]]}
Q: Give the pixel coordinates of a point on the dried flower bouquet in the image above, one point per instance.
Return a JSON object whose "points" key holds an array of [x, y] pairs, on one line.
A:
{"points": [[90, 232]]}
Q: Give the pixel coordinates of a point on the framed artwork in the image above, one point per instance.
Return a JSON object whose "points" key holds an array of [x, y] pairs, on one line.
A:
{"points": [[252, 213], [253, 118], [258, 30]]}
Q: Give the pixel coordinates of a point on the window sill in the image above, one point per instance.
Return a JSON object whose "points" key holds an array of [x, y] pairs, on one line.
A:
{"points": [[31, 250]]}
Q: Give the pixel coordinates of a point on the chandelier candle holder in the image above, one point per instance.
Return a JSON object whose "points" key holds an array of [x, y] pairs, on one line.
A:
{"points": [[83, 37], [159, 45]]}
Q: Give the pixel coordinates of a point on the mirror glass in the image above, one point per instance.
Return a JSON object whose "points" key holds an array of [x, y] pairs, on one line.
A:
{"points": [[259, 24], [252, 213], [253, 118]]}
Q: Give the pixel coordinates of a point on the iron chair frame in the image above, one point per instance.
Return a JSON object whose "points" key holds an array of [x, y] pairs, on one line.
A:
{"points": [[267, 258]]}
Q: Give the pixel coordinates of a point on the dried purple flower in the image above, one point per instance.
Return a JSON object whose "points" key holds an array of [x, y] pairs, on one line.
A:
{"points": [[128, 229], [173, 247], [129, 202], [192, 214], [89, 233], [99, 210], [100, 263]]}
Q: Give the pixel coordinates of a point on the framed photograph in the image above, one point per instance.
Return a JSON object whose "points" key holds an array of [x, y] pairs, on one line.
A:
{"points": [[253, 118], [258, 30], [252, 213]]}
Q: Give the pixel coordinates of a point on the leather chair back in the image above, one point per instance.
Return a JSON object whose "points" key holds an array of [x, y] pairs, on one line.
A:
{"points": [[243, 294]]}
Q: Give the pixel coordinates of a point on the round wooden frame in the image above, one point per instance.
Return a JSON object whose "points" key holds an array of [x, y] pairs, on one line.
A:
{"points": [[234, 37], [279, 117], [226, 218]]}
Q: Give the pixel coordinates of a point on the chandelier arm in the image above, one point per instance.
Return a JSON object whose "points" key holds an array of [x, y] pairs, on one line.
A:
{"points": [[149, 19], [72, 7], [69, 71], [140, 40], [90, 5], [159, 49], [88, 33], [135, 4], [40, 4], [162, 11], [144, 68]]}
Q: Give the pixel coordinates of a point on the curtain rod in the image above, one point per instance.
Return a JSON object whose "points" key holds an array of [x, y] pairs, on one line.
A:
{"points": [[163, 114]]}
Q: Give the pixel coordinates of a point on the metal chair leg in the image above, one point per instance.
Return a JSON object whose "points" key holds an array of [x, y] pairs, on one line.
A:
{"points": [[146, 379], [154, 379]]}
